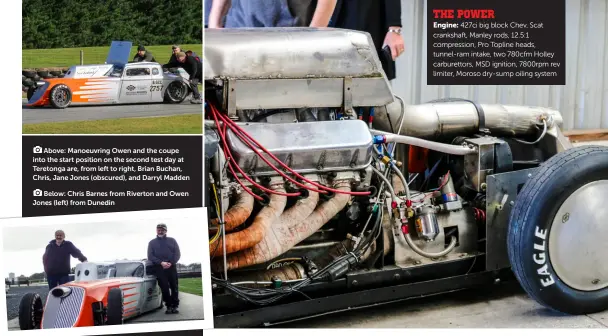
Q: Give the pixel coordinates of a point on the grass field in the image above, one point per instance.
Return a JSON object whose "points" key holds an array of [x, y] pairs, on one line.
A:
{"points": [[49, 58], [180, 124], [191, 285]]}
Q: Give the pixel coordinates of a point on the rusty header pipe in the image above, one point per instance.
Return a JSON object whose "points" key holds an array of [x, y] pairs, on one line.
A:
{"points": [[281, 237], [238, 213], [252, 235]]}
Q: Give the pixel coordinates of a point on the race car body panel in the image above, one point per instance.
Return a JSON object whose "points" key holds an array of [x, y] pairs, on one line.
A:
{"points": [[71, 305]]}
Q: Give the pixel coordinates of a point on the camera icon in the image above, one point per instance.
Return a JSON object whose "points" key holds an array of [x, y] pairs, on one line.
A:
{"points": [[37, 192], [37, 150]]}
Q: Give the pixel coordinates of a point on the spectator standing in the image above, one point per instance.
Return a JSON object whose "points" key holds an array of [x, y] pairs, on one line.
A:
{"points": [[56, 259], [164, 254]]}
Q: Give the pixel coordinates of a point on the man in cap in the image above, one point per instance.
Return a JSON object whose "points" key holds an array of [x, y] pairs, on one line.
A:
{"points": [[56, 259], [194, 68], [143, 55], [164, 254]]}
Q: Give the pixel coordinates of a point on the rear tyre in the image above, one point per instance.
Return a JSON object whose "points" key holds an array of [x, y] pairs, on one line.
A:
{"points": [[30, 311], [60, 96], [557, 232], [115, 308], [176, 92]]}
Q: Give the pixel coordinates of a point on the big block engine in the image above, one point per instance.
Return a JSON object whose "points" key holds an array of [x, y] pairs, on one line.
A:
{"points": [[316, 172]]}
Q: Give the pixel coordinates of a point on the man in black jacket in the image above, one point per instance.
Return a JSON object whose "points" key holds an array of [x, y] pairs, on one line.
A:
{"points": [[143, 55], [193, 67], [164, 254], [56, 259]]}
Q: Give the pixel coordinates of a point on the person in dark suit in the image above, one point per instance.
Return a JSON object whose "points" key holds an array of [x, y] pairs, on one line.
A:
{"points": [[381, 19]]}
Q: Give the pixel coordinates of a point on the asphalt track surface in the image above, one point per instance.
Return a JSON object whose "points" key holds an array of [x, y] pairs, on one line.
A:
{"points": [[190, 307], [498, 306], [80, 113]]}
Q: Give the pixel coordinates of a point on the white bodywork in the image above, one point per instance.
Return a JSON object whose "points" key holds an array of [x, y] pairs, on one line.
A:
{"points": [[142, 82]]}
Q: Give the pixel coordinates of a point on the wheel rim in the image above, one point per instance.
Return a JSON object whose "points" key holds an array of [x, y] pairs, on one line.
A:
{"points": [[175, 91], [578, 243], [61, 97]]}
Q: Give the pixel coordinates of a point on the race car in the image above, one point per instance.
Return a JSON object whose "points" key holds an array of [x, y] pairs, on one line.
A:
{"points": [[115, 82], [107, 293]]}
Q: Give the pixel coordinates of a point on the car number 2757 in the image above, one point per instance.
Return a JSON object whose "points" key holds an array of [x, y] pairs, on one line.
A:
{"points": [[156, 88]]}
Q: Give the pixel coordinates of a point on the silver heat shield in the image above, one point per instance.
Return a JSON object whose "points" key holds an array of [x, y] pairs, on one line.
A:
{"points": [[459, 118], [306, 147], [268, 68]]}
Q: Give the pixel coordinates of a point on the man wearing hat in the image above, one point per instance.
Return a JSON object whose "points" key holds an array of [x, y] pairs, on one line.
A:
{"points": [[143, 55], [193, 67], [164, 254]]}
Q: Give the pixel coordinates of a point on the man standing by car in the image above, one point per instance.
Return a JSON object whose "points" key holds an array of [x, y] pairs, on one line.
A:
{"points": [[164, 254], [194, 68], [56, 259], [143, 55]]}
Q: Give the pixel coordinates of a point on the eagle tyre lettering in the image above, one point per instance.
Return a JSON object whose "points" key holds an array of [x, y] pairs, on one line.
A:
{"points": [[540, 257], [60, 96], [30, 311], [536, 211]]}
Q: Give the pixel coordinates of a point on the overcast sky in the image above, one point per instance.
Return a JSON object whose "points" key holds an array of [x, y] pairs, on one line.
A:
{"points": [[98, 241]]}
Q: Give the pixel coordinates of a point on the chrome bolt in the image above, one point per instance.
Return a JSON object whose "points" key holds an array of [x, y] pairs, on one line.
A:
{"points": [[529, 175], [565, 217], [595, 281], [417, 262], [512, 203]]}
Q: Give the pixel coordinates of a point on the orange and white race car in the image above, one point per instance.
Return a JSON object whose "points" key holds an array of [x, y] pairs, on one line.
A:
{"points": [[115, 82], [101, 294]]}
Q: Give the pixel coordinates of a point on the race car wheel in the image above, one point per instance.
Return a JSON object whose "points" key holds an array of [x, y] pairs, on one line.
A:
{"points": [[30, 311], [557, 236], [176, 92], [115, 309], [60, 96]]}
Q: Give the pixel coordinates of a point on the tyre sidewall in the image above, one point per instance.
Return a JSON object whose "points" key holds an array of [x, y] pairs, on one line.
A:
{"points": [[541, 278], [176, 100], [60, 87], [27, 311], [115, 306]]}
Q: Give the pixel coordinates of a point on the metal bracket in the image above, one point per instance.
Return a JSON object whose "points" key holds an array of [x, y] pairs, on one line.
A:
{"points": [[231, 108], [348, 97]]}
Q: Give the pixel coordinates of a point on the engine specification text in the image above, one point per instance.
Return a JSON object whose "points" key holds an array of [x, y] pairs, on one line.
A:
{"points": [[83, 174], [496, 42]]}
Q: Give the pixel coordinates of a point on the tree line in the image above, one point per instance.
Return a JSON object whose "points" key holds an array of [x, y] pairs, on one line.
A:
{"points": [[91, 23]]}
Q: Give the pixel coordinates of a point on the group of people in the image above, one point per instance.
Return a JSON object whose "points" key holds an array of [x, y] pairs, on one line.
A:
{"points": [[187, 60], [163, 252], [380, 18]]}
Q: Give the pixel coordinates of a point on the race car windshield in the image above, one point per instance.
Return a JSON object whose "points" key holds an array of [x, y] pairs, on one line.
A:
{"points": [[135, 269]]}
